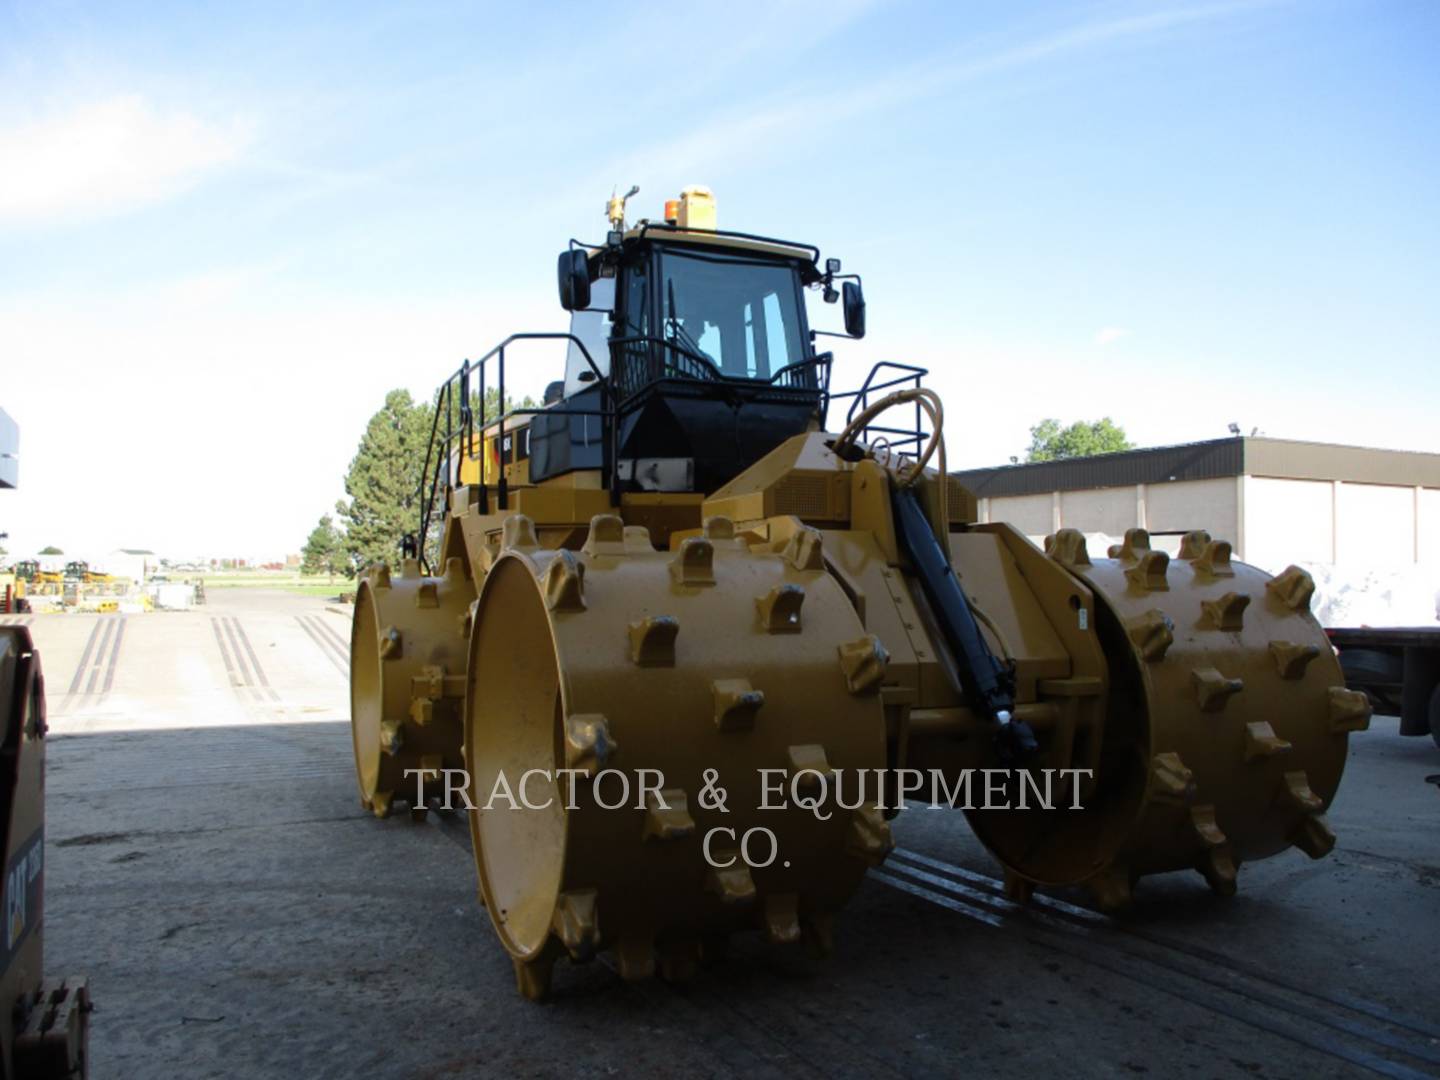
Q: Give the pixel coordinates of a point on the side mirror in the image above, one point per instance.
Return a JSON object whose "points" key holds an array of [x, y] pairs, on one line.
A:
{"points": [[854, 298], [573, 272]]}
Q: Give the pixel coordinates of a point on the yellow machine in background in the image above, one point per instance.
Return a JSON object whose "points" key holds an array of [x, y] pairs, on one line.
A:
{"points": [[79, 572], [678, 564], [38, 580]]}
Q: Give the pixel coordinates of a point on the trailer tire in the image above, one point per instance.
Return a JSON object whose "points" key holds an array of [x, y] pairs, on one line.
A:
{"points": [[1378, 673]]}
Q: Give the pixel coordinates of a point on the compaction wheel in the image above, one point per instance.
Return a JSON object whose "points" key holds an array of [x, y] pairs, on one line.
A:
{"points": [[407, 656], [1225, 735], [707, 663]]}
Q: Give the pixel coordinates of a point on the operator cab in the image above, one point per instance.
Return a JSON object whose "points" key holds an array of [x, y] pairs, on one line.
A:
{"points": [[702, 341]]}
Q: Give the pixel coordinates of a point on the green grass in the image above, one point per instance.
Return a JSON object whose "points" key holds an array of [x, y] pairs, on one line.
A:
{"points": [[247, 579], [286, 580]]}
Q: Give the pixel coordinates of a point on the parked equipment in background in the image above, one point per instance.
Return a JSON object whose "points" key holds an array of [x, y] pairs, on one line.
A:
{"points": [[1398, 669], [679, 564], [38, 580], [79, 572]]}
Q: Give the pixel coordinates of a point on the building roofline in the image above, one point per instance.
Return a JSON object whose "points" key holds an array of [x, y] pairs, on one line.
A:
{"points": [[1289, 459]]}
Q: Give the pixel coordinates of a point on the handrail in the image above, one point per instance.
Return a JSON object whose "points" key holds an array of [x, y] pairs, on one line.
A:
{"points": [[911, 374], [542, 335], [440, 472], [861, 395], [819, 360], [708, 372], [438, 452]]}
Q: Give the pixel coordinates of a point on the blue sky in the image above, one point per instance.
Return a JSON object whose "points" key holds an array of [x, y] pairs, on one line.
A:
{"points": [[224, 234]]}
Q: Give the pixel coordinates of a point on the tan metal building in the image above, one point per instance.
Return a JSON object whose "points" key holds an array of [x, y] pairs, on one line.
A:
{"points": [[1277, 501]]}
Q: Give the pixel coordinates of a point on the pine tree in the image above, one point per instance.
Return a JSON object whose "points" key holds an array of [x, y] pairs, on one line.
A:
{"points": [[384, 482], [324, 551]]}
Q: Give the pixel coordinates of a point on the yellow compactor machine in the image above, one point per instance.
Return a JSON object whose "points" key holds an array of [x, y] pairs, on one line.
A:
{"points": [[657, 618]]}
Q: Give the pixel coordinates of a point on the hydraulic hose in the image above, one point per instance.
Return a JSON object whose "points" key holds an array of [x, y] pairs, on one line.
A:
{"points": [[928, 400], [988, 682]]}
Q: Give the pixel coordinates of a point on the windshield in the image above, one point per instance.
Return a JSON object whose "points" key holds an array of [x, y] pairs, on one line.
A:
{"points": [[740, 314]]}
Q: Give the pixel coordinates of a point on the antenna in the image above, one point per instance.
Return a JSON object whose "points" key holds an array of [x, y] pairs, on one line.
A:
{"points": [[615, 208]]}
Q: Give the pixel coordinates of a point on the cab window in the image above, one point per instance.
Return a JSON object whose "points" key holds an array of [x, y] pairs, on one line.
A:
{"points": [[740, 315]]}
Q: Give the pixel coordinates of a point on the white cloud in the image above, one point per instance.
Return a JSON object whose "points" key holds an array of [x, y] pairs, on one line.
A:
{"points": [[1108, 334], [105, 157]]}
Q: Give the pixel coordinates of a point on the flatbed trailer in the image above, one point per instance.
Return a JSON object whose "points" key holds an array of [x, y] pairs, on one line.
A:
{"points": [[1398, 668]]}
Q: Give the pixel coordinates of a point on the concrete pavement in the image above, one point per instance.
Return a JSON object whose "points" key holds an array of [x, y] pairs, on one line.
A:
{"points": [[210, 868]]}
